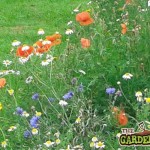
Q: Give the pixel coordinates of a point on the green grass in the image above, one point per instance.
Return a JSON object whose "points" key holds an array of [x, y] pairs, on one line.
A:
{"points": [[21, 19], [109, 57]]}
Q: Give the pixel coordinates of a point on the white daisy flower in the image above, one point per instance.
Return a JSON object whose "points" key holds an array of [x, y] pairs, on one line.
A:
{"points": [[48, 143], [46, 42], [94, 139], [68, 32], [50, 59], [127, 76], [12, 128], [29, 79], [25, 48], [25, 114], [57, 134], [45, 62], [138, 94], [4, 144], [41, 32], [34, 131], [148, 3], [48, 56], [7, 62], [63, 103], [57, 141], [4, 72], [39, 54], [23, 60], [100, 144], [16, 43]]}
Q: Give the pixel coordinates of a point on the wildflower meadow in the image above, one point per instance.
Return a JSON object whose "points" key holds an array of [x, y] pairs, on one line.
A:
{"points": [[73, 73]]}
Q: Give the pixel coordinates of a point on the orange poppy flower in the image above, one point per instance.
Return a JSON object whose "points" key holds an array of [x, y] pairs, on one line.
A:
{"points": [[128, 1], [2, 82], [122, 118], [53, 37], [85, 43], [24, 51], [124, 28], [84, 18], [56, 42], [42, 46], [38, 43]]}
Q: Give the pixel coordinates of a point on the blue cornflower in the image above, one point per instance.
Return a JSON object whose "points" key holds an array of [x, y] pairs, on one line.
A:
{"points": [[19, 110], [34, 121], [80, 88], [110, 90], [27, 134], [68, 95], [35, 96]]}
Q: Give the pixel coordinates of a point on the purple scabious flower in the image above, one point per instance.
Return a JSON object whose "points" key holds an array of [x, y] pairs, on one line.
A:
{"points": [[80, 88], [34, 121], [110, 90], [27, 134], [35, 96], [19, 111], [68, 95]]}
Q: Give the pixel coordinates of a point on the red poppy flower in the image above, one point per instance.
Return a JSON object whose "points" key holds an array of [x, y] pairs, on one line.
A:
{"points": [[42, 46], [84, 18], [53, 37], [122, 118], [24, 51], [85, 43], [2, 82]]}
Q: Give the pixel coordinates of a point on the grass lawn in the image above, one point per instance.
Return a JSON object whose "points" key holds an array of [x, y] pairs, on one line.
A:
{"points": [[73, 89], [21, 19]]}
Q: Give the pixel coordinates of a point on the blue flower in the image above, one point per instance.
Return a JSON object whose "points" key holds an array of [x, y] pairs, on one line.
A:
{"points": [[19, 110], [35, 96], [27, 134], [34, 121], [110, 90], [68, 95]]}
